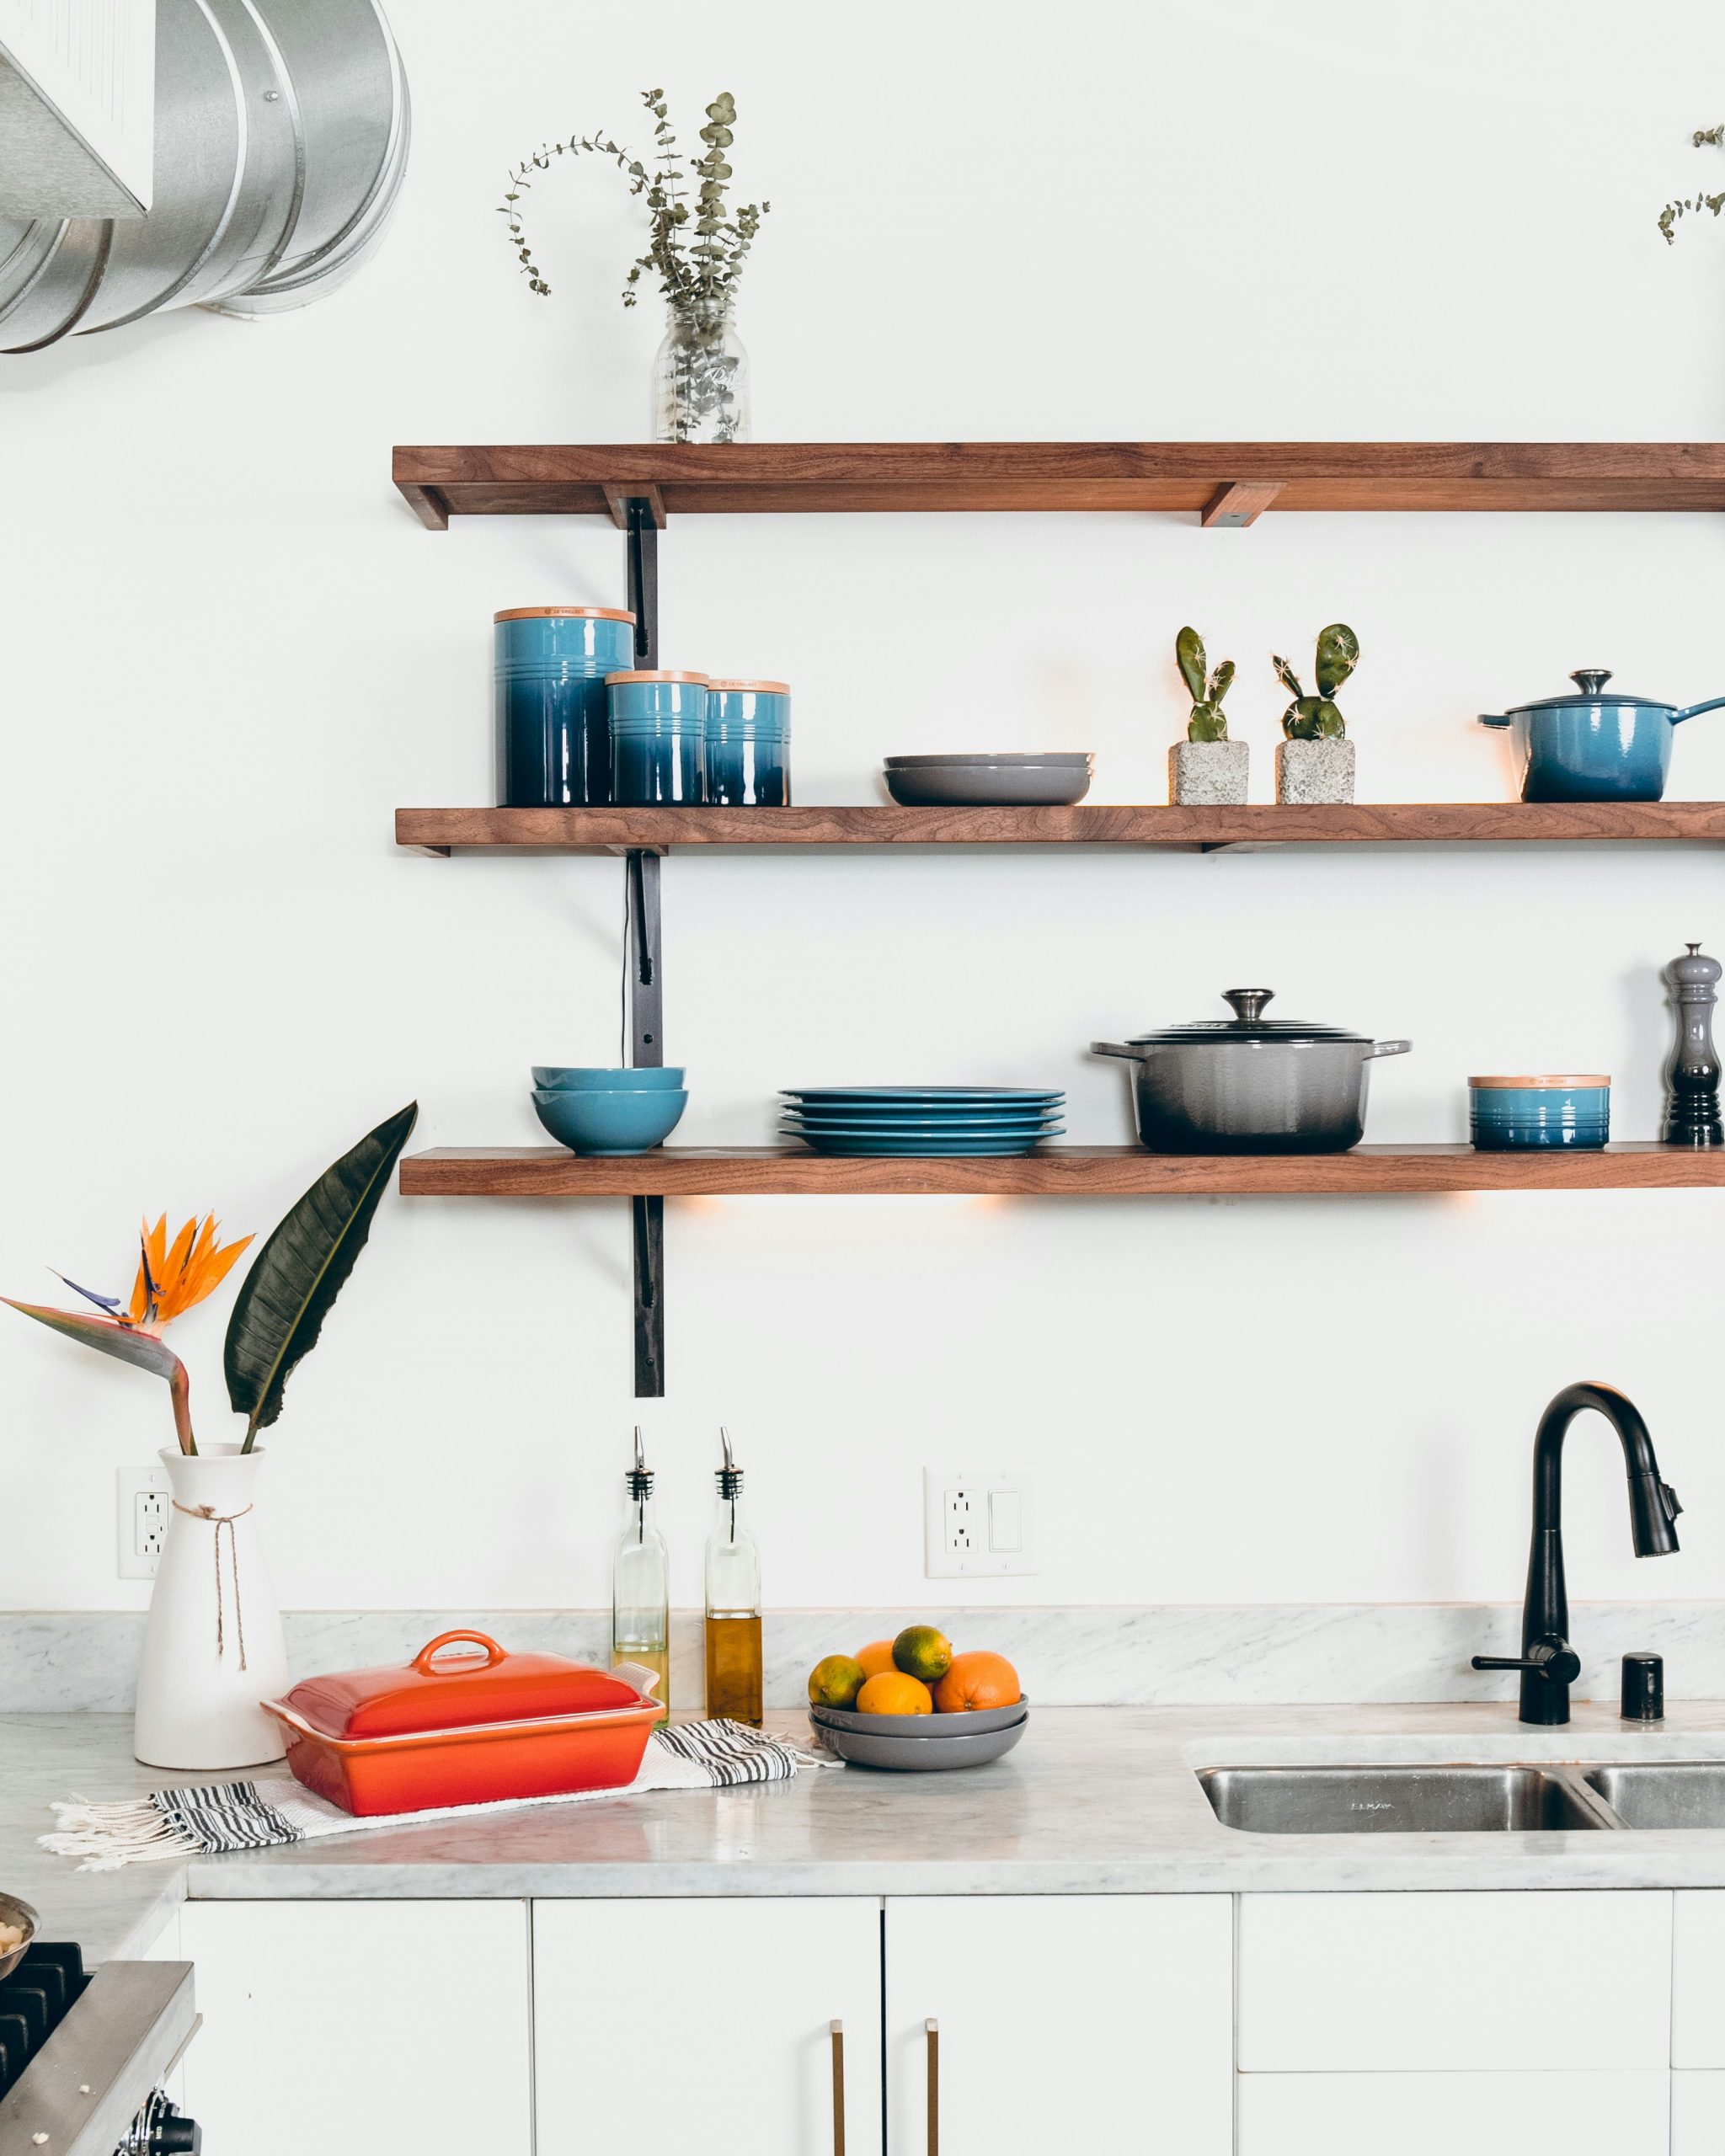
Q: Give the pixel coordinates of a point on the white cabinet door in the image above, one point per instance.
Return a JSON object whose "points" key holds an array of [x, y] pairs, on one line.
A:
{"points": [[1697, 2114], [1698, 1978], [1440, 2114], [1411, 1982], [665, 2026], [1087, 2025], [354, 2028]]}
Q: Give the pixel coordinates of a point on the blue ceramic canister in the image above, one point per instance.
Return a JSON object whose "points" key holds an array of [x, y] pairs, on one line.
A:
{"points": [[1507, 1114], [658, 738], [749, 743], [553, 730]]}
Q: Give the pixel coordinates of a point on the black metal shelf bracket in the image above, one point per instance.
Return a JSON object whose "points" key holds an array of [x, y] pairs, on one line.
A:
{"points": [[643, 974]]}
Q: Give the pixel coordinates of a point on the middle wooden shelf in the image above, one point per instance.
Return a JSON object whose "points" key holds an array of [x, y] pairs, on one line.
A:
{"points": [[1050, 1171]]}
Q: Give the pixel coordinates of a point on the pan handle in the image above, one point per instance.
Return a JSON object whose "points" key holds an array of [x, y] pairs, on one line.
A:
{"points": [[1387, 1047], [1691, 710], [1117, 1048], [1495, 718]]}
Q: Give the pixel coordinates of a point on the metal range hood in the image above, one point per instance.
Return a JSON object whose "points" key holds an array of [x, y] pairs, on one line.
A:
{"points": [[277, 134]]}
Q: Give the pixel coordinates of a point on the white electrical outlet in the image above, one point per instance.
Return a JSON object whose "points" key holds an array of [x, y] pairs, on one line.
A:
{"points": [[975, 1524], [141, 1521]]}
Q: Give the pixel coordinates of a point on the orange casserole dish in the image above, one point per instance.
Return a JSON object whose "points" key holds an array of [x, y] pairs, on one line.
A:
{"points": [[479, 1728]]}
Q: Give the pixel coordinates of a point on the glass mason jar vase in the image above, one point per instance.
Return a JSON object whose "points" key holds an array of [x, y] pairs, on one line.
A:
{"points": [[700, 379]]}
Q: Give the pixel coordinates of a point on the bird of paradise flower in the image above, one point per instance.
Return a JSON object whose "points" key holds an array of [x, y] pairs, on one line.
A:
{"points": [[171, 1280]]}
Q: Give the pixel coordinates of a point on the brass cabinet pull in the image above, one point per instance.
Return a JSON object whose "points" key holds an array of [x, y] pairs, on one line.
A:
{"points": [[932, 2031], [838, 2089]]}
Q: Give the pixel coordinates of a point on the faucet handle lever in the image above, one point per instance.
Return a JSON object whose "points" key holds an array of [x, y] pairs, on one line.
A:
{"points": [[1668, 1498], [1553, 1659]]}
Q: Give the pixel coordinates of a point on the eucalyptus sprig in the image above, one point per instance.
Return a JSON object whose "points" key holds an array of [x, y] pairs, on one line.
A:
{"points": [[697, 245], [1703, 138]]}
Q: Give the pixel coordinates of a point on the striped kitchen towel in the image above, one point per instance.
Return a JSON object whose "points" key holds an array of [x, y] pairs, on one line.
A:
{"points": [[268, 1810]]}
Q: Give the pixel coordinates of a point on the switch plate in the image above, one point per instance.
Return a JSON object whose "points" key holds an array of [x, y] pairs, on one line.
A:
{"points": [[141, 1521], [976, 1522]]}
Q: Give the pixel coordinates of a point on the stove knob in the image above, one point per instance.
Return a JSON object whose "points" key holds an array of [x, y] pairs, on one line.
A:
{"points": [[170, 2135]]}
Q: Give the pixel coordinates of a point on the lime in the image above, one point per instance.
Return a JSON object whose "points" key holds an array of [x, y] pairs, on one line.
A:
{"points": [[920, 1652], [835, 1682]]}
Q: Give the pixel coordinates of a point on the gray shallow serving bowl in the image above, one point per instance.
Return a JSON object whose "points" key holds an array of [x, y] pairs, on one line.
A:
{"points": [[968, 758], [939, 1725], [990, 786], [14, 1911], [922, 1755]]}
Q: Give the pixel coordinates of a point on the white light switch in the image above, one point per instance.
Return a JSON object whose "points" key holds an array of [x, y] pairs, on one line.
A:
{"points": [[976, 1522]]}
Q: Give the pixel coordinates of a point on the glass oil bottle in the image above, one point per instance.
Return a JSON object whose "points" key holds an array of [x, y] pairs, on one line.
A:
{"points": [[640, 1583], [733, 1681]]}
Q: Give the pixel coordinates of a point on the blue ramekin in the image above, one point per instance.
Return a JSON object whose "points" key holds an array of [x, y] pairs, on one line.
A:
{"points": [[1509, 1113]]}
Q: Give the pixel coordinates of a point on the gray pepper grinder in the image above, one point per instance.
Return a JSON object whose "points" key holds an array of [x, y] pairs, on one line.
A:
{"points": [[1692, 1070]]}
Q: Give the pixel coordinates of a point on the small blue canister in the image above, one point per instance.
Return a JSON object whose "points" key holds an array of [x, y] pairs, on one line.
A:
{"points": [[749, 743], [554, 732], [658, 738], [1509, 1113]]}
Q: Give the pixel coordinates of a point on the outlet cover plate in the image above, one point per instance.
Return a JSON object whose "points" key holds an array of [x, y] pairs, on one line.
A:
{"points": [[140, 1521], [976, 1522]]}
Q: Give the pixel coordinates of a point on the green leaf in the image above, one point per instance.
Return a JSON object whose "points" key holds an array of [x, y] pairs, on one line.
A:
{"points": [[1338, 655], [297, 1275], [1286, 675], [1189, 655], [1222, 682]]}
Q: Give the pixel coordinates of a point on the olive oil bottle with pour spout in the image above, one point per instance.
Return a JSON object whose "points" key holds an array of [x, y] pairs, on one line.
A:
{"points": [[640, 1583], [734, 1685]]}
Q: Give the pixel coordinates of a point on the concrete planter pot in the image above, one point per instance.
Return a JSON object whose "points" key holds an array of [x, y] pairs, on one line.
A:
{"points": [[1309, 772], [1208, 774]]}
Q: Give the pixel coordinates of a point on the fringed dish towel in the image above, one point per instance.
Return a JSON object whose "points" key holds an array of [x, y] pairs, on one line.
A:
{"points": [[272, 1809]]}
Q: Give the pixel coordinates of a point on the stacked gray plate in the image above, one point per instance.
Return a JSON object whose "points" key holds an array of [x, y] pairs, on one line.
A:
{"points": [[930, 1121], [921, 1744], [1054, 778]]}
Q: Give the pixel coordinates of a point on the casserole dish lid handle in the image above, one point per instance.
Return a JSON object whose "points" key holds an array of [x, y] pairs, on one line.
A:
{"points": [[1387, 1047], [1116, 1048], [493, 1653]]}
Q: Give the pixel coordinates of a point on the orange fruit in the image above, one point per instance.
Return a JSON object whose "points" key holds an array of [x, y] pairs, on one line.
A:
{"points": [[835, 1682], [877, 1658], [976, 1681], [920, 1651], [893, 1693]]}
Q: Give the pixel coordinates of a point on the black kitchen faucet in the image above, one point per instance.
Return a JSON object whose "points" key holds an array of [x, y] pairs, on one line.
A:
{"points": [[1548, 1664]]}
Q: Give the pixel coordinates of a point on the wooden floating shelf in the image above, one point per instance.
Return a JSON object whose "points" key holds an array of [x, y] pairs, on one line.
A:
{"points": [[1221, 483], [1053, 1172], [1196, 830]]}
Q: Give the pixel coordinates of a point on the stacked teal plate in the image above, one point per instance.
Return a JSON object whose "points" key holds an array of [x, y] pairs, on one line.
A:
{"points": [[912, 1120]]}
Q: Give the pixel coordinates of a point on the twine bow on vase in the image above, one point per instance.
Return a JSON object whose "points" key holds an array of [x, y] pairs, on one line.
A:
{"points": [[218, 1521]]}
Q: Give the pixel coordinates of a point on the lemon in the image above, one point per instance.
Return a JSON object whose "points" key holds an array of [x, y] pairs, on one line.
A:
{"points": [[922, 1652], [835, 1682]]}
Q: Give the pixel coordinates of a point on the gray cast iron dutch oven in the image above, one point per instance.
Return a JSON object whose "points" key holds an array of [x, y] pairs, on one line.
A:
{"points": [[1250, 1084]]}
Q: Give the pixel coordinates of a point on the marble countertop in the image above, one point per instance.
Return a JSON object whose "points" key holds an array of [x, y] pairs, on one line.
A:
{"points": [[1095, 1801]]}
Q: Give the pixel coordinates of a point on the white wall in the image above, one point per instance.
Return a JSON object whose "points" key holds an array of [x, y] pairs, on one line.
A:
{"points": [[229, 652]]}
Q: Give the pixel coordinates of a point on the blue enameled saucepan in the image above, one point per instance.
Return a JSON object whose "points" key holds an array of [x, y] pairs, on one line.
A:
{"points": [[1593, 745]]}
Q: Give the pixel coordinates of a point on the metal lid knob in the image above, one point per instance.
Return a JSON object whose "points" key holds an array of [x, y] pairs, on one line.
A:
{"points": [[1591, 680], [1248, 1002]]}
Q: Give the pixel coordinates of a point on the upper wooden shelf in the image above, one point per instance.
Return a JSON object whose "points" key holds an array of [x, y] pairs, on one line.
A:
{"points": [[1194, 831], [1051, 1171], [1224, 482]]}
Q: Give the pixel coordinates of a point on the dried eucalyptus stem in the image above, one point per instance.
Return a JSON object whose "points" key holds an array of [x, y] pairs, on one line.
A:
{"points": [[1703, 138], [695, 249]]}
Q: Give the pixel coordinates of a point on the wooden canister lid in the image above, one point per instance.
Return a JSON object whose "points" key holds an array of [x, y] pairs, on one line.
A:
{"points": [[1561, 1084], [650, 673], [762, 688], [563, 613]]}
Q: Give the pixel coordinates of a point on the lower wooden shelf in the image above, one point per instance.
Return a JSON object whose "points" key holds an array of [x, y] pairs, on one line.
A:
{"points": [[1054, 1171]]}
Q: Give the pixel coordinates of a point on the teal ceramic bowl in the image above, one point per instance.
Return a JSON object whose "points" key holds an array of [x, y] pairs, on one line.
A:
{"points": [[1507, 1114], [576, 1078], [611, 1122]]}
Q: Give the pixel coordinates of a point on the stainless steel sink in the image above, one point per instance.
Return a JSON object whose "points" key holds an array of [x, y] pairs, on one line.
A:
{"points": [[1663, 1793], [1411, 1800]]}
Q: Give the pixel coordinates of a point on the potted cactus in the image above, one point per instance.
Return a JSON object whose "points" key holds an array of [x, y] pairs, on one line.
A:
{"points": [[1315, 762], [1206, 770]]}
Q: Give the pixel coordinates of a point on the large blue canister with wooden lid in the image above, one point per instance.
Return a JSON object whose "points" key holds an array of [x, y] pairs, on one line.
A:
{"points": [[553, 728]]}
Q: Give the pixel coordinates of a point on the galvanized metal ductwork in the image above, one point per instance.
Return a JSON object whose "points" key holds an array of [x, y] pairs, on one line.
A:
{"points": [[281, 134]]}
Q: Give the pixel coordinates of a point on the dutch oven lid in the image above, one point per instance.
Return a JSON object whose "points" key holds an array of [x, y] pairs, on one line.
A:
{"points": [[439, 1691], [1591, 681], [1248, 1024]]}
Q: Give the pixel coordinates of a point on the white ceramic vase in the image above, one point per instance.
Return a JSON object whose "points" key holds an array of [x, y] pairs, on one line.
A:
{"points": [[212, 1646]]}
